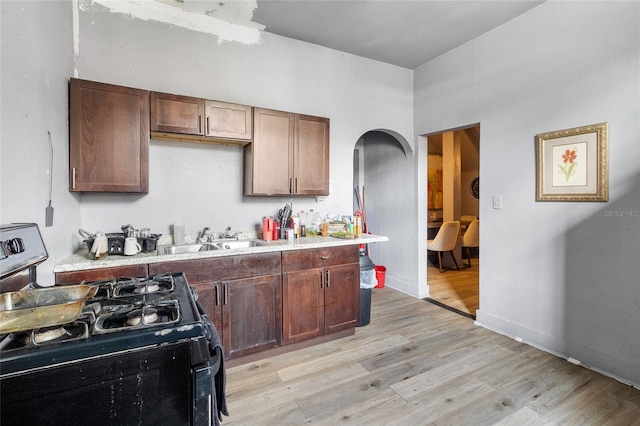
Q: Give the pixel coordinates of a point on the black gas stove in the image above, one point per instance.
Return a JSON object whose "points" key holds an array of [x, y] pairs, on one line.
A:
{"points": [[141, 352], [124, 314]]}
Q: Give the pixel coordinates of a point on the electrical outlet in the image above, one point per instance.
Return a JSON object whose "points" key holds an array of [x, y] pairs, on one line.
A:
{"points": [[497, 201]]}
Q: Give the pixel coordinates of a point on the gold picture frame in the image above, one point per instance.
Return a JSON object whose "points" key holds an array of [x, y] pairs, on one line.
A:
{"points": [[572, 164]]}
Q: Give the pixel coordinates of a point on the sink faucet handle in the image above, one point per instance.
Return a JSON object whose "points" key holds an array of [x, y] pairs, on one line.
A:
{"points": [[202, 236]]}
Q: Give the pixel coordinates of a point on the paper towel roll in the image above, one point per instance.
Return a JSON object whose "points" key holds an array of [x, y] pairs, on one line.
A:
{"points": [[178, 233]]}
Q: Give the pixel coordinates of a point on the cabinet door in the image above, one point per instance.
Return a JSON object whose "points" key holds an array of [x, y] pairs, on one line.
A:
{"points": [[209, 299], [303, 305], [311, 156], [176, 114], [228, 121], [198, 275], [108, 138], [251, 315], [269, 159], [341, 297]]}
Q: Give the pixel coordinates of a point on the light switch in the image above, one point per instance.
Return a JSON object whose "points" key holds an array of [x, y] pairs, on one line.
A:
{"points": [[497, 201]]}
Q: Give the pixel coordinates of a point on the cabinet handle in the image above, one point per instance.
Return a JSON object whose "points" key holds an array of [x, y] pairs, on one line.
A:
{"points": [[226, 294], [217, 295], [200, 123], [325, 257], [73, 178], [321, 279], [206, 130], [328, 281]]}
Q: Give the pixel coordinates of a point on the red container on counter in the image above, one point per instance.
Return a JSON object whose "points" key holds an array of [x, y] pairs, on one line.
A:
{"points": [[267, 228]]}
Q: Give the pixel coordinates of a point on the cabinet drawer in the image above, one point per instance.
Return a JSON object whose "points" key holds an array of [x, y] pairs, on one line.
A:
{"points": [[319, 258], [101, 274], [222, 268]]}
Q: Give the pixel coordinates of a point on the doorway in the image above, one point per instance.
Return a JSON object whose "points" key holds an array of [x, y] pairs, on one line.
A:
{"points": [[453, 194]]}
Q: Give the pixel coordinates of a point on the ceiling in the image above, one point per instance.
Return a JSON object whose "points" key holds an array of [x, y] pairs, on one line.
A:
{"points": [[403, 33]]}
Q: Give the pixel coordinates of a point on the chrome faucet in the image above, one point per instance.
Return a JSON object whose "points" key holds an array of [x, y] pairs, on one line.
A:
{"points": [[202, 236], [228, 234]]}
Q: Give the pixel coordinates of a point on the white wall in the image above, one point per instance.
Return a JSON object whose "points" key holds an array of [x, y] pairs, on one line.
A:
{"points": [[36, 62], [563, 276], [200, 185]]}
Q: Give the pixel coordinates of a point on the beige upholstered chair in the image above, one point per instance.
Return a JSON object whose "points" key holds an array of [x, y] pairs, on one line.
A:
{"points": [[465, 220], [471, 238], [445, 240]]}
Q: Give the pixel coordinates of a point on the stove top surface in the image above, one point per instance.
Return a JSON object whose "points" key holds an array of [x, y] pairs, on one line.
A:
{"points": [[124, 315]]}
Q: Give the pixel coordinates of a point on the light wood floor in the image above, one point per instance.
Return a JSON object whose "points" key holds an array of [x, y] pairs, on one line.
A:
{"points": [[457, 289], [419, 364]]}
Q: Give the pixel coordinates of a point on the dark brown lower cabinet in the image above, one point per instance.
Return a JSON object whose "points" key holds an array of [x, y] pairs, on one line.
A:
{"points": [[251, 314], [262, 301], [75, 277], [320, 292], [242, 295]]}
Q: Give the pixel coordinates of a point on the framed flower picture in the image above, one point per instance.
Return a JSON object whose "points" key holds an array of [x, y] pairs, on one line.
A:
{"points": [[572, 164]]}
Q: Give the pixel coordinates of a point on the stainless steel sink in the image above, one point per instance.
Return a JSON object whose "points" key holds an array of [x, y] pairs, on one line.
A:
{"points": [[186, 248], [230, 245]]}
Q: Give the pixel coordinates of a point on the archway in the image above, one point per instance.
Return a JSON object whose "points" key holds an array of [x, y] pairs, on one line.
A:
{"points": [[384, 176]]}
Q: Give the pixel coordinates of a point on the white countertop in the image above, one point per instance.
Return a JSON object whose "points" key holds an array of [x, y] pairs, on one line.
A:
{"points": [[81, 260]]}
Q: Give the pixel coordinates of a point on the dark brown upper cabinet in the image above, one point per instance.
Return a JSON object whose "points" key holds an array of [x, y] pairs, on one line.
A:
{"points": [[176, 114], [108, 138], [189, 119], [289, 155]]}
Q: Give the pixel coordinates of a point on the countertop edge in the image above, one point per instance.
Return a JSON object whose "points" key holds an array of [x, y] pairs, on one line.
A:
{"points": [[80, 261]]}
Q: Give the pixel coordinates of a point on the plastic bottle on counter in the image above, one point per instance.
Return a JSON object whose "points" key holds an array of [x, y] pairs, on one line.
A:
{"points": [[318, 221], [311, 222], [325, 228], [295, 225], [315, 221], [357, 226], [303, 224]]}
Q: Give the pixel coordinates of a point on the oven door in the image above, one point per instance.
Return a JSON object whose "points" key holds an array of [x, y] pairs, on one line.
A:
{"points": [[146, 386], [209, 376], [205, 402]]}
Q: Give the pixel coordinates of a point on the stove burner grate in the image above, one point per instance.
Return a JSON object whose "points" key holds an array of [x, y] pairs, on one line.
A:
{"points": [[126, 287], [134, 318], [76, 330], [105, 288]]}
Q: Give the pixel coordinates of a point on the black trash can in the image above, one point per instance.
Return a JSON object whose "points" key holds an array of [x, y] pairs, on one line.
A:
{"points": [[367, 282], [365, 307]]}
